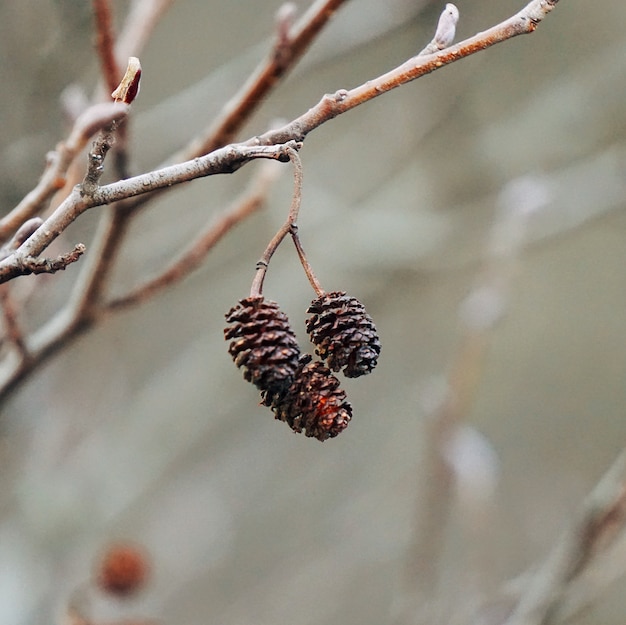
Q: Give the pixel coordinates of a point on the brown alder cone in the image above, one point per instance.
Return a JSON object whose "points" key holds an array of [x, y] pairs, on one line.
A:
{"points": [[263, 343], [314, 403], [123, 570], [344, 334]]}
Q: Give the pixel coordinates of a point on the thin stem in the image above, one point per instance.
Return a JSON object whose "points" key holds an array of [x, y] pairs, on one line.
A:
{"points": [[304, 261], [256, 289], [225, 160]]}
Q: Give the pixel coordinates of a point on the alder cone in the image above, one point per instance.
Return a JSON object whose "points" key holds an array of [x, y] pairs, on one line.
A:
{"points": [[123, 570], [344, 334], [263, 343], [314, 403]]}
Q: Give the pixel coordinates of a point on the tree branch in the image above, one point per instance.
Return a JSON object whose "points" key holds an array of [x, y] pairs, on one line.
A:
{"points": [[225, 160], [273, 144], [105, 42], [332, 105]]}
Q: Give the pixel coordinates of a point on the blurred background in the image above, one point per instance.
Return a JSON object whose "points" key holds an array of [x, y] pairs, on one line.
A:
{"points": [[144, 430]]}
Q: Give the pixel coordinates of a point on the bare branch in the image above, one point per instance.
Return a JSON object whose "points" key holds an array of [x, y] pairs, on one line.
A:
{"points": [[274, 144], [225, 160], [447, 407], [330, 106], [28, 228], [97, 154]]}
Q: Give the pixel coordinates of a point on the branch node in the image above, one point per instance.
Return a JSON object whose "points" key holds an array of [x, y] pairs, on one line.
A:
{"points": [[446, 30]]}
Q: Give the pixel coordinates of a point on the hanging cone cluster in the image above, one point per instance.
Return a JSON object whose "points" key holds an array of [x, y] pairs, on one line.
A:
{"points": [[344, 334], [300, 391], [263, 343], [314, 403]]}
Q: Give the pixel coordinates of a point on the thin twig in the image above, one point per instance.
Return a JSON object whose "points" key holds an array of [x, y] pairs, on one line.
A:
{"points": [[29, 264], [97, 154], [230, 157], [191, 258], [225, 160], [111, 70], [304, 261], [286, 51], [257, 284]]}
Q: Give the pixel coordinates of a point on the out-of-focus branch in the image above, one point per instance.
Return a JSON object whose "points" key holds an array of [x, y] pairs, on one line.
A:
{"points": [[105, 43], [290, 44], [142, 19], [53, 178], [251, 201], [595, 528], [447, 408], [12, 328]]}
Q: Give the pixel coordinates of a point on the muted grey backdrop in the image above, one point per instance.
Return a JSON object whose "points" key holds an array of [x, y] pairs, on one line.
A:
{"points": [[144, 429]]}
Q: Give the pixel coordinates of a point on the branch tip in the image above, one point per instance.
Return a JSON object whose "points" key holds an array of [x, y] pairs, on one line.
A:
{"points": [[128, 89]]}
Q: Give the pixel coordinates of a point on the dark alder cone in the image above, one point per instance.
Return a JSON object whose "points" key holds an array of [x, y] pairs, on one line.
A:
{"points": [[344, 334], [263, 343], [314, 403]]}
